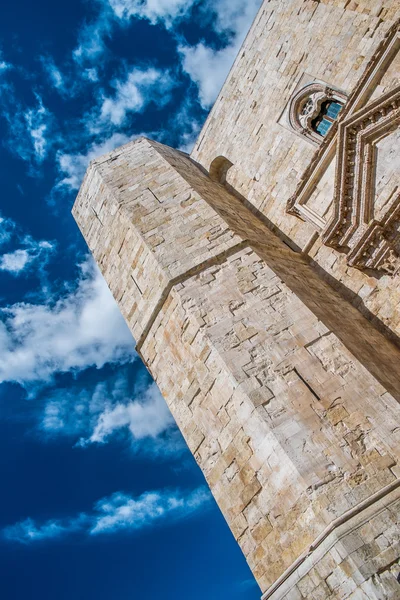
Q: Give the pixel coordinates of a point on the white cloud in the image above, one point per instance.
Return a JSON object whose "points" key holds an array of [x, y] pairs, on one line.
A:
{"points": [[38, 123], [15, 262], [209, 67], [119, 512], [19, 260], [91, 41], [95, 414], [145, 417], [75, 412], [233, 16], [139, 88], [27, 531], [155, 11], [81, 329]]}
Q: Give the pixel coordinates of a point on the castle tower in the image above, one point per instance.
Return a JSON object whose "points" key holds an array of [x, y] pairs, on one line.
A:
{"points": [[286, 394]]}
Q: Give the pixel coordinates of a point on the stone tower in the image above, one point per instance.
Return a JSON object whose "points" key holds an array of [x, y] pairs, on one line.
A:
{"points": [[262, 290]]}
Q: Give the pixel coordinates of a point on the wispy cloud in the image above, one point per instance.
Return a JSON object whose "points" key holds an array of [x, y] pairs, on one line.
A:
{"points": [[80, 329], [93, 34], [187, 124], [56, 78], [20, 260], [26, 251], [7, 227], [155, 11], [208, 68], [144, 417], [91, 74], [137, 89], [94, 415], [4, 66], [31, 132], [121, 511], [116, 513], [38, 121], [27, 531]]}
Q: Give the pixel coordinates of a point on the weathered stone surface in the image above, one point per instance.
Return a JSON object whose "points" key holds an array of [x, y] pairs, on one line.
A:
{"points": [[279, 370], [330, 41], [289, 427]]}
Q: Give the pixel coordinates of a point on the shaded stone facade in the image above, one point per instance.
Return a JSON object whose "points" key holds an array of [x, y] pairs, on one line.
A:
{"points": [[275, 351]]}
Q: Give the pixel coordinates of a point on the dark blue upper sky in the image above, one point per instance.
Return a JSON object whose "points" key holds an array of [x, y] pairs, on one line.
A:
{"points": [[100, 496]]}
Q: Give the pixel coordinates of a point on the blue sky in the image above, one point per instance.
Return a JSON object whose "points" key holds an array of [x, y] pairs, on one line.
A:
{"points": [[100, 496]]}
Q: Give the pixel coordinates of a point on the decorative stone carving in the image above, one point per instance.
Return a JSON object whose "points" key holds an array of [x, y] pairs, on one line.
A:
{"points": [[369, 237], [369, 242], [306, 105]]}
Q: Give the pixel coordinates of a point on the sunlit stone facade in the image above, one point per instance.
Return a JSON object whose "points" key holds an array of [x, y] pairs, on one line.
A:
{"points": [[260, 279]]}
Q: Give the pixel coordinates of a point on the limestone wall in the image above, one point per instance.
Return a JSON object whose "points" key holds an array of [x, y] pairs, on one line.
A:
{"points": [[291, 43], [146, 228], [358, 560], [278, 385]]}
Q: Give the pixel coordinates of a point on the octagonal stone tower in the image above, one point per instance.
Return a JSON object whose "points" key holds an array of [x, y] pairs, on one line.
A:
{"points": [[286, 395]]}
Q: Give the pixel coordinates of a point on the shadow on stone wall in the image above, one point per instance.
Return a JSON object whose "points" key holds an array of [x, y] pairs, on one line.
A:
{"points": [[362, 333]]}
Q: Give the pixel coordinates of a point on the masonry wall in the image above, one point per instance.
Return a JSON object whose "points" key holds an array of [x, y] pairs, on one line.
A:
{"points": [[293, 424], [291, 43]]}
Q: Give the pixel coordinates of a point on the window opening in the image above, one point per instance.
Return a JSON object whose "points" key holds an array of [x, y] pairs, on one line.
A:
{"points": [[328, 115], [219, 169], [313, 109]]}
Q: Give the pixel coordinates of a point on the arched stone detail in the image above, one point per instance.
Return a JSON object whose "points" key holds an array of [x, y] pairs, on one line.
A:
{"points": [[306, 105], [219, 168]]}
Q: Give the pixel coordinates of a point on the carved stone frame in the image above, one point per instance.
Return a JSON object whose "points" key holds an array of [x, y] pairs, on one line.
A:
{"points": [[321, 94], [352, 226], [352, 229]]}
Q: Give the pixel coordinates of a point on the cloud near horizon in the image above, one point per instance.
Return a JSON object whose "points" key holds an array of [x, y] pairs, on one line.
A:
{"points": [[119, 512]]}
